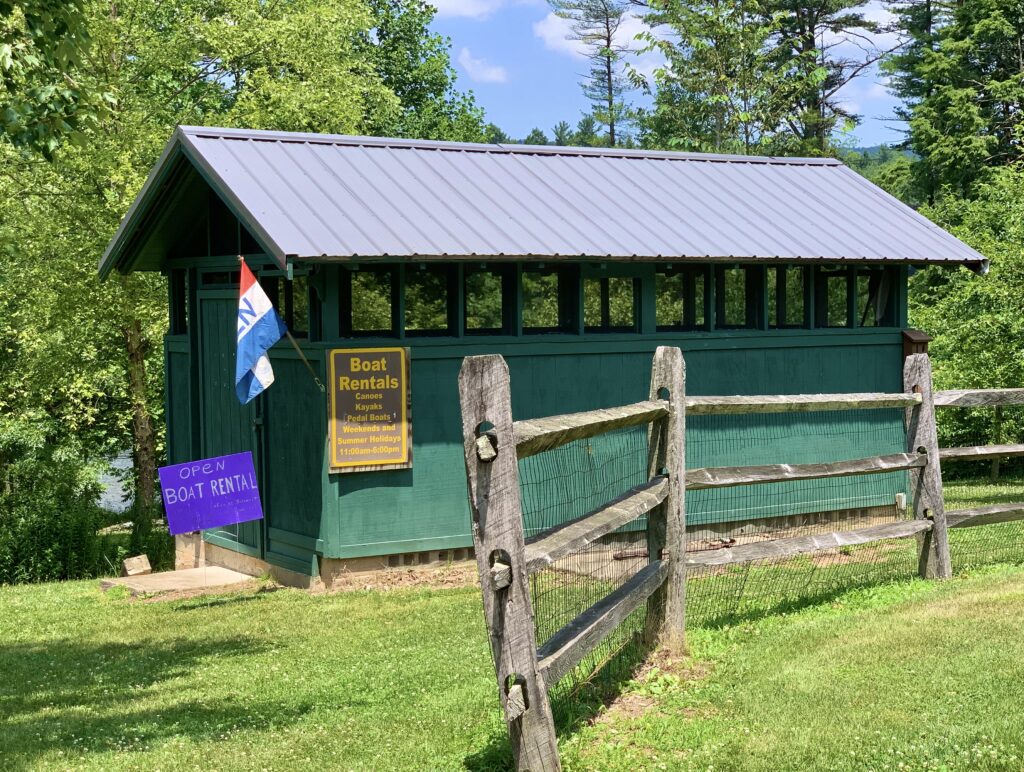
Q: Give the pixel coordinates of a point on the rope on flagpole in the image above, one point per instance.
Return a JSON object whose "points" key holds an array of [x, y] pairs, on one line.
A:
{"points": [[298, 350], [302, 356]]}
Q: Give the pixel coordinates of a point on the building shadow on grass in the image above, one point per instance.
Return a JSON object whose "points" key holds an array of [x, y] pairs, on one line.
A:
{"points": [[83, 698]]}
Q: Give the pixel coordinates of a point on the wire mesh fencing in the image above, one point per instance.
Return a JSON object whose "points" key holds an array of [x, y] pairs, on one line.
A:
{"points": [[722, 518], [970, 483], [572, 480], [564, 484]]}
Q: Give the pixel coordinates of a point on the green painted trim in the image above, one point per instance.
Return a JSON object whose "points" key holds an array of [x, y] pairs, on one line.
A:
{"points": [[562, 344], [376, 549], [177, 343], [307, 566], [296, 539], [231, 544]]}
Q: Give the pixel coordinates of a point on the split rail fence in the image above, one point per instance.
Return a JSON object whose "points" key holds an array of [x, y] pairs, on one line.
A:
{"points": [[527, 669]]}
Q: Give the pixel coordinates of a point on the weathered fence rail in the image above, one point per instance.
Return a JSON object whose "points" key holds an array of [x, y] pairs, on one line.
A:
{"points": [[796, 403], [494, 443], [973, 398], [731, 476], [798, 545]]}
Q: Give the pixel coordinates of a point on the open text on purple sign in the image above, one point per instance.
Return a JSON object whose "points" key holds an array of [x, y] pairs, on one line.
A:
{"points": [[210, 493]]}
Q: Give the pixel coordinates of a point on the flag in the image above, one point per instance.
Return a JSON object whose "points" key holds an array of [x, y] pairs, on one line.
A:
{"points": [[259, 328]]}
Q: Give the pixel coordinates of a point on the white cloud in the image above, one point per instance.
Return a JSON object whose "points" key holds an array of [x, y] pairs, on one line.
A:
{"points": [[555, 33], [479, 70]]}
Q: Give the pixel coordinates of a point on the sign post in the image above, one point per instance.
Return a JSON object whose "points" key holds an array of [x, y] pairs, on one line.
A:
{"points": [[370, 422]]}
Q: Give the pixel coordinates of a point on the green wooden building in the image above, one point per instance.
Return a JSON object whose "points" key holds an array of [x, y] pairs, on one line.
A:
{"points": [[773, 275]]}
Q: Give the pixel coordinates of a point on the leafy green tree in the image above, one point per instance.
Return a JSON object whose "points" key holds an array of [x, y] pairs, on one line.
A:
{"points": [[413, 61], [814, 68], [586, 132], [535, 137], [977, 321], [596, 24], [721, 88], [495, 135], [561, 133], [964, 82], [81, 361], [42, 94]]}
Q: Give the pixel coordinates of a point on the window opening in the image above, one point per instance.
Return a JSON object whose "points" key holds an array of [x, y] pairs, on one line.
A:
{"points": [[786, 288], [609, 304], [680, 298], [832, 297], [875, 297], [549, 303], [738, 297], [368, 302], [428, 306], [486, 291]]}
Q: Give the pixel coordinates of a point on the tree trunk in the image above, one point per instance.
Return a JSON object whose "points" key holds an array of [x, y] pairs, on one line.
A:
{"points": [[143, 438]]}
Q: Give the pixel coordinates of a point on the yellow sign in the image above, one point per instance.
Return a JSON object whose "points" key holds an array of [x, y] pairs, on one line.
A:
{"points": [[370, 425]]}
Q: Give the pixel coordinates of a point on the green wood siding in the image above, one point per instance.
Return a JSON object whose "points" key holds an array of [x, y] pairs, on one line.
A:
{"points": [[425, 507], [310, 512]]}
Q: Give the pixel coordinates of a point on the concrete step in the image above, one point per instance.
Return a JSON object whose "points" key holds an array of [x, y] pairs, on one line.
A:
{"points": [[201, 578]]}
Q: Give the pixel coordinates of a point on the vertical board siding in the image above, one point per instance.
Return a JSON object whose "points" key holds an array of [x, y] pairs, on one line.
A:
{"points": [[293, 451], [178, 397], [425, 508]]}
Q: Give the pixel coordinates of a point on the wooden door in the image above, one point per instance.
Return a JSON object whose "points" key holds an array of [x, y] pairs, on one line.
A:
{"points": [[226, 425]]}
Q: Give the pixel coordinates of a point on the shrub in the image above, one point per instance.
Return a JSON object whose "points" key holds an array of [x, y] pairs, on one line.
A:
{"points": [[48, 510]]}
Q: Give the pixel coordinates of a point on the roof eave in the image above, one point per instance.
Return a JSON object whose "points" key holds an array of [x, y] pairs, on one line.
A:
{"points": [[179, 145], [112, 255]]}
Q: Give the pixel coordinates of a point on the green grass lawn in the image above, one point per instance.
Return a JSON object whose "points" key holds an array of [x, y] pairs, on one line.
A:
{"points": [[927, 675]]}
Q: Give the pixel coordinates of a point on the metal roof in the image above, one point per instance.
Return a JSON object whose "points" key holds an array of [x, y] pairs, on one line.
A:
{"points": [[317, 196]]}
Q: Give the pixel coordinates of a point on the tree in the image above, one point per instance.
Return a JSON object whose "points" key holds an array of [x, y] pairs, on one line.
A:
{"points": [[721, 88], [963, 78], [977, 321], [808, 53], [535, 137], [42, 96], [414, 63], [561, 133], [81, 362], [596, 24], [495, 135], [586, 132]]}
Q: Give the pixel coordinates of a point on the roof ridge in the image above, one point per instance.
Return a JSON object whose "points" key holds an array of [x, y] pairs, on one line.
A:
{"points": [[264, 135]]}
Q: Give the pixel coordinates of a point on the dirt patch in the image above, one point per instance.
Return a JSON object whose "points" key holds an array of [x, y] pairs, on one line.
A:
{"points": [[660, 665], [443, 577], [626, 707]]}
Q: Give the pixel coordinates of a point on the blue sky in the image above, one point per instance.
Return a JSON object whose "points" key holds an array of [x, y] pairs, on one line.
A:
{"points": [[513, 54]]}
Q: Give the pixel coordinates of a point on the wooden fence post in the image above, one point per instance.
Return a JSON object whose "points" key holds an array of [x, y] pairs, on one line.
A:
{"points": [[926, 482], [493, 476], [666, 524]]}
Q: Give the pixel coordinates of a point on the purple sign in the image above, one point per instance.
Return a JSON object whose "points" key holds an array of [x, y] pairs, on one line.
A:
{"points": [[210, 493]]}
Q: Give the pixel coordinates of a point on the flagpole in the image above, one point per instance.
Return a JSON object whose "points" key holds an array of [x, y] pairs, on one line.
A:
{"points": [[298, 350]]}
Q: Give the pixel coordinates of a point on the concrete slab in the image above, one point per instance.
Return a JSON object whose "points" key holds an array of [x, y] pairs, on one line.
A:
{"points": [[201, 578]]}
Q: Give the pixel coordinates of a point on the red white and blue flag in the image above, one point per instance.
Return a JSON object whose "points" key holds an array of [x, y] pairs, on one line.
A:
{"points": [[259, 328]]}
